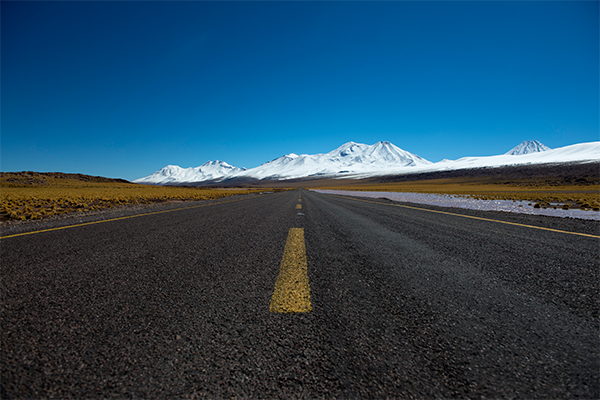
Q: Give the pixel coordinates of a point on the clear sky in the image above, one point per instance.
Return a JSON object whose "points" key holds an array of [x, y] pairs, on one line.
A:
{"points": [[122, 89]]}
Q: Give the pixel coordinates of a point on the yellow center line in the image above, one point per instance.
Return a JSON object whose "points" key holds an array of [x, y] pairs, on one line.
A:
{"points": [[116, 219], [472, 217], [298, 206], [292, 291]]}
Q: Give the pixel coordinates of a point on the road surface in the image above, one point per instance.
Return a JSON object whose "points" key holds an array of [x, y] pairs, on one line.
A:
{"points": [[404, 302]]}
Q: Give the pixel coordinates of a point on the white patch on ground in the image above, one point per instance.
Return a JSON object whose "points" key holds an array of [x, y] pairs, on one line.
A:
{"points": [[443, 200]]}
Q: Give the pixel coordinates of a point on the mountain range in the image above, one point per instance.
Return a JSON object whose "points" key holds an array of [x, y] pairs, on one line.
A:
{"points": [[357, 160]]}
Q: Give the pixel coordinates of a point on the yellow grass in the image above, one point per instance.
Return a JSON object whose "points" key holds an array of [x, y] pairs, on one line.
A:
{"points": [[44, 196], [574, 196]]}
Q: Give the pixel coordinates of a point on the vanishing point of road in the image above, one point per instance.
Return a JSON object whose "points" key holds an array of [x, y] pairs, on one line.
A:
{"points": [[389, 300]]}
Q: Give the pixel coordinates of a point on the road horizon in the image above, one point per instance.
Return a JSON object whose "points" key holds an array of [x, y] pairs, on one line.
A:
{"points": [[405, 300]]}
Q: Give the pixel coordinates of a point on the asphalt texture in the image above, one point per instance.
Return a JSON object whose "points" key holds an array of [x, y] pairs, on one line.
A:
{"points": [[406, 303]]}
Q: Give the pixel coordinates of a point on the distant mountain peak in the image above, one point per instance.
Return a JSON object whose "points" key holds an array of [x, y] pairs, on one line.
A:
{"points": [[351, 157], [210, 170], [218, 164], [352, 160], [528, 147], [347, 149]]}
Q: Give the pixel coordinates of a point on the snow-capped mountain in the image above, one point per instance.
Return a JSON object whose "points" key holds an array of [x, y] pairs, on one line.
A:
{"points": [[211, 170], [528, 147], [576, 153], [347, 159], [357, 160]]}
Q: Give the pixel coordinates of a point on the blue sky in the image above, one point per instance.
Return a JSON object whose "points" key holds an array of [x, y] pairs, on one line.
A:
{"points": [[121, 89]]}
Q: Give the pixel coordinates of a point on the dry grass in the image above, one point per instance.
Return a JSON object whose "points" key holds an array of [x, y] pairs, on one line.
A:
{"points": [[35, 196], [587, 197]]}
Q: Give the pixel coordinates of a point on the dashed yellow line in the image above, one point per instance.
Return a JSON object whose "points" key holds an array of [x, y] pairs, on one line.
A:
{"points": [[115, 219], [292, 291], [472, 217], [298, 206]]}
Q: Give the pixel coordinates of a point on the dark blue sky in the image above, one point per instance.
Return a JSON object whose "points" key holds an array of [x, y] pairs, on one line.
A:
{"points": [[121, 89]]}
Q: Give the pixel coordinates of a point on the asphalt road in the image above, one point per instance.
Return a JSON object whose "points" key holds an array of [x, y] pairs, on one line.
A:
{"points": [[406, 303]]}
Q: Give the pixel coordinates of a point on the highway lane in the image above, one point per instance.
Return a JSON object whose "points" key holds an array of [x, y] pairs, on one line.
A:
{"points": [[405, 303]]}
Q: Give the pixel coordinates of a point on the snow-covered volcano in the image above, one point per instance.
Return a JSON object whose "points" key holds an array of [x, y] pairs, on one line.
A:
{"points": [[575, 153], [172, 174], [528, 147], [357, 160], [347, 159]]}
